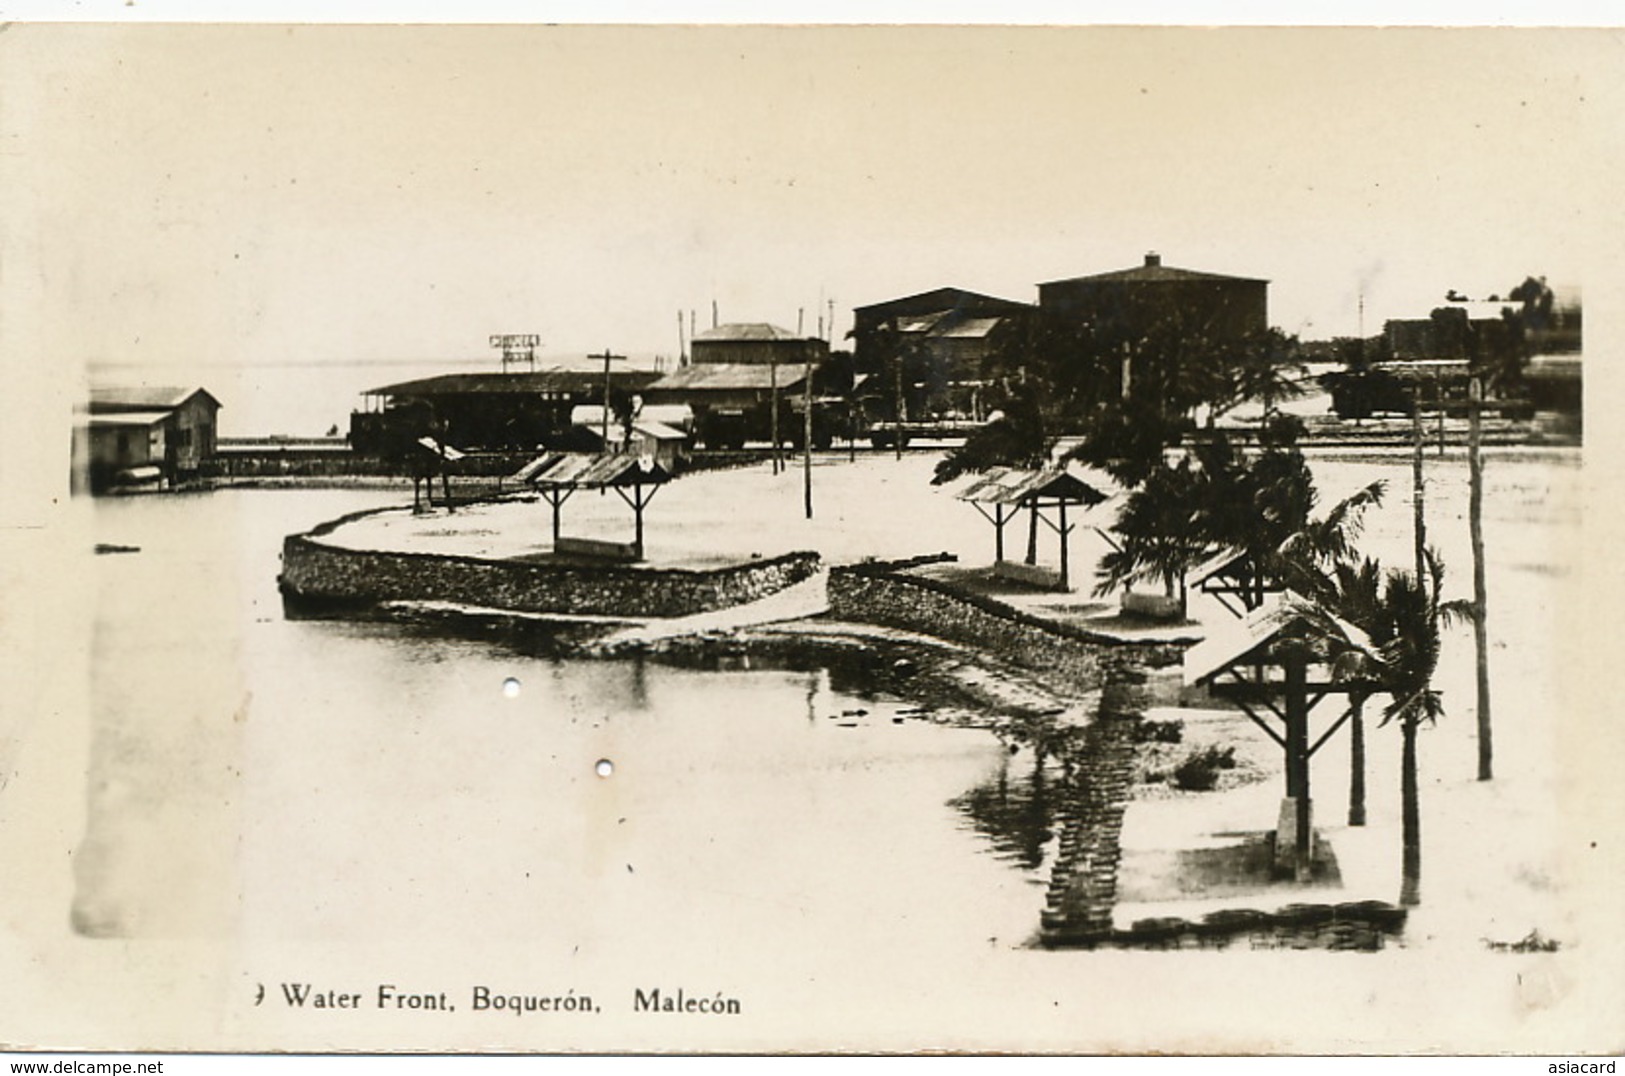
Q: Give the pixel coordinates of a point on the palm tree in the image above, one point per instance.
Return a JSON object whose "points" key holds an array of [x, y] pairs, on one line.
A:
{"points": [[1396, 645], [1319, 563]]}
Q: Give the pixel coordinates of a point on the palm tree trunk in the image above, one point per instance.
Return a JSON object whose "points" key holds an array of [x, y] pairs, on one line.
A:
{"points": [[1410, 886], [1475, 524], [1357, 763]]}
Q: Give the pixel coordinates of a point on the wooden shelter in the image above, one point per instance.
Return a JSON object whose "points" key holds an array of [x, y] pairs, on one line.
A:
{"points": [[1269, 664], [432, 456], [634, 478], [1232, 576], [1002, 492]]}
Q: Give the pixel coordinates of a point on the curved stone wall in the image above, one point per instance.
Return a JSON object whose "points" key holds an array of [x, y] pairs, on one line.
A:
{"points": [[884, 593], [315, 573]]}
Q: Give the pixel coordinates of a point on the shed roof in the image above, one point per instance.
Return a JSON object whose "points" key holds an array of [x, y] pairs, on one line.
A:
{"points": [[1008, 485], [129, 418], [745, 330], [105, 398]]}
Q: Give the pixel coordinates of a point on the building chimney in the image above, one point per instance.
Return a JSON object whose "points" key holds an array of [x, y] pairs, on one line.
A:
{"points": [[1152, 259]]}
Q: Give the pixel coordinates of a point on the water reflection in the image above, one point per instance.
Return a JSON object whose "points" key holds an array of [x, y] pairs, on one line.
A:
{"points": [[1016, 809]]}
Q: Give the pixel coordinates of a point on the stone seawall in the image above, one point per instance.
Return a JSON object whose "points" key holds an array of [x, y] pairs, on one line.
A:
{"points": [[316, 573], [886, 594]]}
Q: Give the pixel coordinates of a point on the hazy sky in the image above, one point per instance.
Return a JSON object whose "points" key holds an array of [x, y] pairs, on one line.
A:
{"points": [[208, 200]]}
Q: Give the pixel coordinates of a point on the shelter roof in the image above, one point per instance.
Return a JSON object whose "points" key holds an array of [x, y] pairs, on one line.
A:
{"points": [[660, 431], [107, 398], [557, 379], [1008, 485], [725, 376], [745, 330], [1217, 564], [1230, 641], [1236, 641], [444, 451], [581, 471]]}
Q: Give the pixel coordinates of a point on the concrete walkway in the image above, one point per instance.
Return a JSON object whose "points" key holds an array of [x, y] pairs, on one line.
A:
{"points": [[806, 598]]}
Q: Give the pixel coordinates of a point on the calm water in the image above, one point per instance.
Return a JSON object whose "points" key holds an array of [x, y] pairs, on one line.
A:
{"points": [[347, 784]]}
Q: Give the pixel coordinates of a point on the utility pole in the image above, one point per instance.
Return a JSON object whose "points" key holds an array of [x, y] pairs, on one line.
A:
{"points": [[897, 408], [608, 358], [1475, 524], [773, 409], [807, 427]]}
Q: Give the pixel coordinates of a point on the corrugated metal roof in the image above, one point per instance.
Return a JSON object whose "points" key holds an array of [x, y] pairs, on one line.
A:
{"points": [[1008, 485], [723, 376], [558, 379], [745, 330], [537, 466], [589, 472]]}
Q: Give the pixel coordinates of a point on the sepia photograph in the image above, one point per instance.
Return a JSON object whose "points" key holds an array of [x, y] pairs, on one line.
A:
{"points": [[809, 539]]}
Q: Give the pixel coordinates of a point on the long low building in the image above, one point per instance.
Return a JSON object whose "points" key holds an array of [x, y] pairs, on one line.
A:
{"points": [[486, 410]]}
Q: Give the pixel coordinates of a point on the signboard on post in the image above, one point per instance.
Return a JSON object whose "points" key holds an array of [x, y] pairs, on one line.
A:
{"points": [[517, 347]]}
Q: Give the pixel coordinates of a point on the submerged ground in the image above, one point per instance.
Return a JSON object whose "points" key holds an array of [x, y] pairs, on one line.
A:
{"points": [[239, 826]]}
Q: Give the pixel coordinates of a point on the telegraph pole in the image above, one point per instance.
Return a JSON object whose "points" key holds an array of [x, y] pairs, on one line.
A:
{"points": [[608, 358], [1475, 525], [807, 426]]}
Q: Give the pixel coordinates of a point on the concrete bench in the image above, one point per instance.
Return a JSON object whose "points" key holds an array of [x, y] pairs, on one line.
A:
{"points": [[597, 549], [1030, 574]]}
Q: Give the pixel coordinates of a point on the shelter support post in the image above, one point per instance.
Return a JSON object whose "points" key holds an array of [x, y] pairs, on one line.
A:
{"points": [[1294, 838]]}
